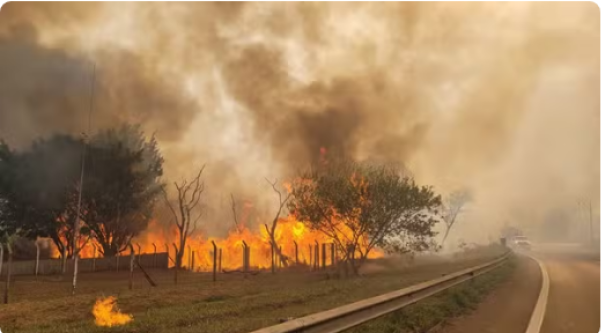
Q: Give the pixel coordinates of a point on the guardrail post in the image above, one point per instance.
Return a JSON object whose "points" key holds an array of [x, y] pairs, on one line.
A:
{"points": [[214, 262], [131, 281], [37, 258], [296, 252]]}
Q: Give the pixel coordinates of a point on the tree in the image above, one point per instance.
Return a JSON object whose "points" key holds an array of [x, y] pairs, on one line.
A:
{"points": [[39, 184], [283, 201], [188, 201], [121, 186], [452, 207], [361, 207]]}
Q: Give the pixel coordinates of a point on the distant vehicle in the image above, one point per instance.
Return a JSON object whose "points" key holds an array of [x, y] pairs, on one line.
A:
{"points": [[521, 242]]}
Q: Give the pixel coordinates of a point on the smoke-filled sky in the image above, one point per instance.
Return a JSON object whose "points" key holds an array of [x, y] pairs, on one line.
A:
{"points": [[501, 98]]}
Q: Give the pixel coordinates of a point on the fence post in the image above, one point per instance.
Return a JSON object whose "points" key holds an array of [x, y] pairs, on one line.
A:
{"points": [[245, 256], [139, 256], [316, 254], [189, 256], [296, 252], [279, 258], [323, 256], [214, 262], [310, 257], [168, 254], [220, 260], [64, 263], [94, 257], [332, 254], [131, 282], [176, 268], [272, 258], [8, 271], [193, 261], [37, 258], [155, 253], [1, 256]]}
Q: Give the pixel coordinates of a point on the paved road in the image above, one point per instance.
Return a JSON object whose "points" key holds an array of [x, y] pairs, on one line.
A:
{"points": [[574, 299], [508, 308], [573, 303]]}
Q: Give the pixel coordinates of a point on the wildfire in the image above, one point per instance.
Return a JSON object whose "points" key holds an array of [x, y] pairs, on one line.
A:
{"points": [[107, 314]]}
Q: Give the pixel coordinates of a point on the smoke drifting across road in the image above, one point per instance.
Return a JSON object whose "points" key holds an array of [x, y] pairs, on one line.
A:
{"points": [[499, 97]]}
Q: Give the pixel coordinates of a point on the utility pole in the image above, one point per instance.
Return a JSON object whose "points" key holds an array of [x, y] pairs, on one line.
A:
{"points": [[83, 164]]}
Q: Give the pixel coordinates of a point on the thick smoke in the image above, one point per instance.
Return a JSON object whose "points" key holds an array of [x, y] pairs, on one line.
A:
{"points": [[500, 98]]}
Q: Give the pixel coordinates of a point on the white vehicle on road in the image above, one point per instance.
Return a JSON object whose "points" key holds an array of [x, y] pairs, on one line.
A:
{"points": [[521, 242]]}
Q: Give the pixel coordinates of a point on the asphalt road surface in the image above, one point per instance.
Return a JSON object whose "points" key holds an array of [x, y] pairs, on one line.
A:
{"points": [[573, 300]]}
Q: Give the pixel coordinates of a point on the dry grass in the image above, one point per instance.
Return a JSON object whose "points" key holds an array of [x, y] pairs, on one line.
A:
{"points": [[234, 304]]}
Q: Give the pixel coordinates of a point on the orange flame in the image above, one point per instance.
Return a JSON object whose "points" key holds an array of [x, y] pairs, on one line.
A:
{"points": [[107, 314]]}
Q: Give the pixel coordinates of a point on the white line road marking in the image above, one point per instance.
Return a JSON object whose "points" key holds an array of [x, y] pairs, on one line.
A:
{"points": [[537, 317]]}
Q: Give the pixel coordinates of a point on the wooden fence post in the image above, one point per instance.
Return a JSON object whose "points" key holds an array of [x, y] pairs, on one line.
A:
{"points": [[310, 257], [176, 268], [37, 258], [279, 259], [316, 254], [214, 262], [155, 254], [296, 252], [220, 260], [131, 281], [139, 256], [94, 257], [8, 271], [246, 252], [64, 263], [1, 256], [323, 256], [332, 254], [189, 257], [272, 258]]}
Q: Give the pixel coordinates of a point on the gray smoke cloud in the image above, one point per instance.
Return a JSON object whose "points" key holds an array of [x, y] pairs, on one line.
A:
{"points": [[500, 98]]}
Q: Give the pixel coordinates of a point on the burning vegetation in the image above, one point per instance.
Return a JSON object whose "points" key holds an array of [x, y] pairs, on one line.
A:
{"points": [[107, 314]]}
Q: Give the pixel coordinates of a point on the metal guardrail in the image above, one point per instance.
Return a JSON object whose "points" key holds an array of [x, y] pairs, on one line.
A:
{"points": [[350, 315]]}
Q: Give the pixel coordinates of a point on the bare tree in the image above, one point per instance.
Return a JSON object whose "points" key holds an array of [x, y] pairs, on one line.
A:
{"points": [[452, 207], [271, 231], [188, 200]]}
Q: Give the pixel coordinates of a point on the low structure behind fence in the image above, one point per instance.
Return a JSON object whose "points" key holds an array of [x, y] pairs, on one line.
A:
{"points": [[118, 263]]}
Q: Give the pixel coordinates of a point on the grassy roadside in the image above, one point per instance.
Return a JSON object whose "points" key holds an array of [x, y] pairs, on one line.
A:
{"points": [[435, 310], [227, 306]]}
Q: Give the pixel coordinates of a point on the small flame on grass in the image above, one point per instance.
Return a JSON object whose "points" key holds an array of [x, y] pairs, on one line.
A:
{"points": [[107, 313]]}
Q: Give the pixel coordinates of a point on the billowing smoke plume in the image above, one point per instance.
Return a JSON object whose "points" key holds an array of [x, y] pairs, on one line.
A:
{"points": [[500, 98]]}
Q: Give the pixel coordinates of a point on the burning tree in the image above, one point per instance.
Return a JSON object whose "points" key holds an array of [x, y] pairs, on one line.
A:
{"points": [[283, 201], [452, 206], [188, 200], [121, 186], [361, 207]]}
